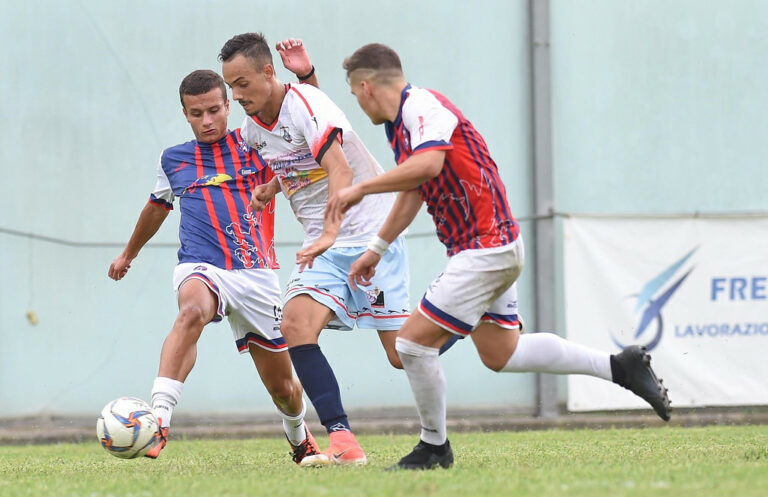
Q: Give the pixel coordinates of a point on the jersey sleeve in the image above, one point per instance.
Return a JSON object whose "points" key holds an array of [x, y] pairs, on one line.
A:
{"points": [[428, 122], [317, 118], [162, 194]]}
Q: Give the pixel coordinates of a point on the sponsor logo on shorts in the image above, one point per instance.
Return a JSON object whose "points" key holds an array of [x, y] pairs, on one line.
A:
{"points": [[200, 268], [375, 297]]}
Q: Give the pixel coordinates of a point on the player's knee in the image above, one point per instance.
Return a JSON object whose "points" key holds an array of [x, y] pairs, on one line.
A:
{"points": [[493, 362], [191, 316], [283, 391], [292, 326]]}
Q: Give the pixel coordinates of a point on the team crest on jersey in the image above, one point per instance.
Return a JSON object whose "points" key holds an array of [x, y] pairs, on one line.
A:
{"points": [[244, 146], [286, 134], [375, 297]]}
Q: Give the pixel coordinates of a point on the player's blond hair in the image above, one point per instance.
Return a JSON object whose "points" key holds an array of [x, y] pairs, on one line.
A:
{"points": [[375, 62]]}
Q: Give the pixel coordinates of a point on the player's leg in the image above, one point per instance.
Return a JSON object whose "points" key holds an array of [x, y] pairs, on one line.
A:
{"points": [[506, 351], [197, 307], [319, 297], [452, 305], [418, 345], [503, 348], [253, 301], [276, 374], [303, 319]]}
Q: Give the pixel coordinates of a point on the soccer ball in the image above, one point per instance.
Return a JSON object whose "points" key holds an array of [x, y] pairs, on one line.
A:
{"points": [[127, 428]]}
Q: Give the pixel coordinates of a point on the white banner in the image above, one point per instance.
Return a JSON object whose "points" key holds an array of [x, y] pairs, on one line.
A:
{"points": [[694, 291]]}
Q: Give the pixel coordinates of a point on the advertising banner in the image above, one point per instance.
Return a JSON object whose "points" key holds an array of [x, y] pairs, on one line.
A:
{"points": [[694, 291]]}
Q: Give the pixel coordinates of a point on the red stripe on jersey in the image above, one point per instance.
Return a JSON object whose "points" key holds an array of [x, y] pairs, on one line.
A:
{"points": [[309, 109], [243, 197], [212, 211], [467, 200], [231, 207]]}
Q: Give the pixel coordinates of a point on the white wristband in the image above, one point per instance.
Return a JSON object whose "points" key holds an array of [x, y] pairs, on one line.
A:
{"points": [[378, 245]]}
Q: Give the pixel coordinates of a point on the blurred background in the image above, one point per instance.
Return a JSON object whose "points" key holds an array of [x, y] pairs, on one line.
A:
{"points": [[627, 134]]}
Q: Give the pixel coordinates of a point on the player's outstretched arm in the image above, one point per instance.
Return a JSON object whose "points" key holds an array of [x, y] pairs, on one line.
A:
{"points": [[150, 220], [340, 175], [296, 59], [403, 211], [411, 173]]}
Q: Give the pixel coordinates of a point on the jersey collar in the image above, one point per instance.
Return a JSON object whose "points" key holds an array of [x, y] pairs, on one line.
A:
{"points": [[403, 96]]}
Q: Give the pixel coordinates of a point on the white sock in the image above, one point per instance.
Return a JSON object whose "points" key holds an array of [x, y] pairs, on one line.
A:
{"points": [[166, 393], [425, 374], [293, 426], [549, 353]]}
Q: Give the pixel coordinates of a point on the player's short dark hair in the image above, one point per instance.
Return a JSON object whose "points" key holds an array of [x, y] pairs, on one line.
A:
{"points": [[374, 56], [252, 46], [201, 81]]}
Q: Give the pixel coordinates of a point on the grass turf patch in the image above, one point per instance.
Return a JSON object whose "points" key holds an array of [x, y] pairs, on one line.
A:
{"points": [[661, 461]]}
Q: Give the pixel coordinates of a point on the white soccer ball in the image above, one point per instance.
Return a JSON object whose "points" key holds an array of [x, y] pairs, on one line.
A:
{"points": [[127, 428]]}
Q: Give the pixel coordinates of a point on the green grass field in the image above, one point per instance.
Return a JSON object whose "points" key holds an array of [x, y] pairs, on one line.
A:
{"points": [[716, 461]]}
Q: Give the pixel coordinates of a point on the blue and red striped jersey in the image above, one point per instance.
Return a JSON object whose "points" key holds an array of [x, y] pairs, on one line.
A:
{"points": [[213, 183], [467, 200]]}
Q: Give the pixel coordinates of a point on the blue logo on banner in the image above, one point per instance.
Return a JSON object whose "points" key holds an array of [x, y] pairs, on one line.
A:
{"points": [[649, 309]]}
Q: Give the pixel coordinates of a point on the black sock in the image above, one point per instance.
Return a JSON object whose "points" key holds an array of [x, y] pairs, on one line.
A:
{"points": [[321, 386]]}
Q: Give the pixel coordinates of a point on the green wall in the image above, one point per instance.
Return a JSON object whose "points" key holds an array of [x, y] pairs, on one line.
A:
{"points": [[90, 99], [657, 107]]}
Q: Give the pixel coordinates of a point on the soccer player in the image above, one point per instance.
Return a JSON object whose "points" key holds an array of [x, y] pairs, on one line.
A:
{"points": [[312, 149], [226, 259], [443, 161]]}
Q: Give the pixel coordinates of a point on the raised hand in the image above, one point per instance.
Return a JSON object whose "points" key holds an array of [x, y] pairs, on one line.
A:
{"points": [[295, 56]]}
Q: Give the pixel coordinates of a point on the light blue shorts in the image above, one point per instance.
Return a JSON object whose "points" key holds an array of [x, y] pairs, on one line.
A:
{"points": [[384, 305]]}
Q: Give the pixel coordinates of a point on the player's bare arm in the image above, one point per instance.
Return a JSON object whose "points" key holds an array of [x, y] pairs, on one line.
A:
{"points": [[403, 212], [150, 220], [296, 59], [413, 172], [262, 194], [340, 175]]}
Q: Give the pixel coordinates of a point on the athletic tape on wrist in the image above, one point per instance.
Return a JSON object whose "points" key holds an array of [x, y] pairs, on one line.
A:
{"points": [[378, 245]]}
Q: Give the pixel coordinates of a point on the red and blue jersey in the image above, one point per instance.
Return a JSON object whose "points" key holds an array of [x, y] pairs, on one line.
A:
{"points": [[467, 200], [213, 183]]}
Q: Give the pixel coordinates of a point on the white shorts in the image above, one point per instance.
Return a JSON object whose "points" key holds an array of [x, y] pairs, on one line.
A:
{"points": [[384, 305], [478, 285], [250, 298]]}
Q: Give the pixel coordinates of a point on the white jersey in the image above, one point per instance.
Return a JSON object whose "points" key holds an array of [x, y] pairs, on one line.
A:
{"points": [[293, 146]]}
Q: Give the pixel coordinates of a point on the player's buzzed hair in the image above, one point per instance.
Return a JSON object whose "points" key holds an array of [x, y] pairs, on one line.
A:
{"points": [[201, 81], [252, 46], [379, 60]]}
